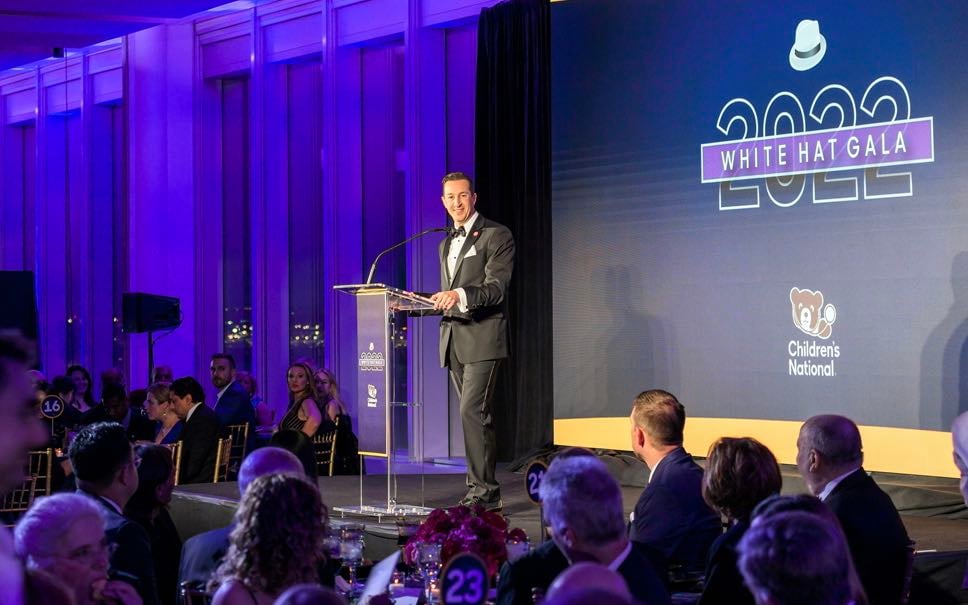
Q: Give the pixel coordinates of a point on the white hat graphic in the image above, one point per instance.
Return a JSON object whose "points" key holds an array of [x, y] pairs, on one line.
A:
{"points": [[809, 47]]}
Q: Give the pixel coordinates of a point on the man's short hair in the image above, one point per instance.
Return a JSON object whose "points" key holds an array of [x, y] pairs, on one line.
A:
{"points": [[61, 385], [660, 415], [99, 451], [226, 357], [579, 493], [13, 348], [457, 176], [837, 438], [268, 460], [113, 390], [796, 558], [188, 386]]}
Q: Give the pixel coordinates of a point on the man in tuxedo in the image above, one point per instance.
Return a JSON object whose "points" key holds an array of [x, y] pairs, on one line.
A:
{"points": [[829, 456], [116, 407], [233, 405], [202, 554], [670, 521], [583, 506], [476, 261], [200, 436], [106, 468], [20, 432]]}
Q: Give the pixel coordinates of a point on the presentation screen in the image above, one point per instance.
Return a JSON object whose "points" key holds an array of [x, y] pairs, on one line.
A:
{"points": [[761, 207]]}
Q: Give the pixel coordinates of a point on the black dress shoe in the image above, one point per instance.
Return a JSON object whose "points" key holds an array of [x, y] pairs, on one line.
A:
{"points": [[492, 506]]}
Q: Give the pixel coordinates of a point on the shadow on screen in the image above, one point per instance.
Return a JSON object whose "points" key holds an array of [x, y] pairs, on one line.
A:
{"points": [[636, 351], [944, 360]]}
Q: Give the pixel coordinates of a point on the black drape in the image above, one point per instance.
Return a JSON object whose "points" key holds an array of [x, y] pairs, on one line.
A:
{"points": [[513, 174]]}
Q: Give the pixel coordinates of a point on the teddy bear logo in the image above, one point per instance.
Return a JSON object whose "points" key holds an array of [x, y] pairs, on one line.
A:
{"points": [[810, 314]]}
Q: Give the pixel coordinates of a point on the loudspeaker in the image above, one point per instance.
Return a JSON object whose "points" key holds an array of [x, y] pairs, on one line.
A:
{"points": [[18, 303], [142, 312]]}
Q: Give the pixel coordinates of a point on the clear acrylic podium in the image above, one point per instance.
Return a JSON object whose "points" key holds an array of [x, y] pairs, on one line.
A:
{"points": [[376, 337]]}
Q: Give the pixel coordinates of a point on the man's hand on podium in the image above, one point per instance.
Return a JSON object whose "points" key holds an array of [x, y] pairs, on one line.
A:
{"points": [[445, 300]]}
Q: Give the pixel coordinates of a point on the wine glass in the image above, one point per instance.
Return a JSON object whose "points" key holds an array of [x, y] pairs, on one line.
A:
{"points": [[351, 550], [428, 557]]}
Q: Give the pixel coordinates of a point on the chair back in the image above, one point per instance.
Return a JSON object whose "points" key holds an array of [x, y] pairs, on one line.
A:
{"points": [[190, 593], [40, 466], [222, 456], [324, 447], [176, 451], [240, 438], [910, 551], [15, 503]]}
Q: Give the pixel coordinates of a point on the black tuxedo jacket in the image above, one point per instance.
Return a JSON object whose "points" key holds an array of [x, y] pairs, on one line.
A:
{"points": [[201, 555], [724, 584], [537, 569], [483, 270], [133, 555], [199, 441], [875, 535], [671, 519], [235, 407]]}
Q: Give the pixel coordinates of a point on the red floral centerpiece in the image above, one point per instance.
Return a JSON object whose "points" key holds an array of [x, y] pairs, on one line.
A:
{"points": [[465, 529]]}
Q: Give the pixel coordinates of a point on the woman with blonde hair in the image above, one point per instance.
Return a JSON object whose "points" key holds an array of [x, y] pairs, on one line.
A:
{"points": [[277, 542], [346, 460]]}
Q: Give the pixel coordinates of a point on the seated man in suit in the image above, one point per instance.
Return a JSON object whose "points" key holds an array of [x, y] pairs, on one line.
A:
{"points": [[670, 521], [201, 554], [829, 456], [200, 435], [233, 404], [107, 470], [115, 407], [583, 506]]}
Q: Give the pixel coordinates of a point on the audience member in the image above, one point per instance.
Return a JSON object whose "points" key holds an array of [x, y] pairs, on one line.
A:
{"points": [[670, 519], [200, 434], [585, 575], [168, 426], [106, 469], [303, 414], [20, 431], [203, 553], [83, 385], [115, 407], [138, 401], [251, 386], [232, 403], [959, 436], [830, 458], [149, 507], [583, 506], [796, 558], [276, 542], [112, 376], [310, 594], [346, 459], [63, 534], [740, 473], [162, 374], [71, 417]]}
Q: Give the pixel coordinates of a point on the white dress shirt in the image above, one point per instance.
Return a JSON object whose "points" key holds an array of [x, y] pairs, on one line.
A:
{"points": [[834, 483]]}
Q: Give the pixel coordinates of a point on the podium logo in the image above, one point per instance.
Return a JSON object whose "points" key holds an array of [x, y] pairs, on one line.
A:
{"points": [[372, 361], [810, 315], [371, 400]]}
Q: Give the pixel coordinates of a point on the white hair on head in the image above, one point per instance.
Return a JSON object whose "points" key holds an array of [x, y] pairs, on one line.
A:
{"points": [[43, 526]]}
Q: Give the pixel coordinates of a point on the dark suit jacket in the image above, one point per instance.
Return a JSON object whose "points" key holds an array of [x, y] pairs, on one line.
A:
{"points": [[671, 518], [479, 334], [199, 445], [537, 569], [724, 584], [235, 407], [133, 555], [643, 581], [875, 535], [139, 427], [201, 555]]}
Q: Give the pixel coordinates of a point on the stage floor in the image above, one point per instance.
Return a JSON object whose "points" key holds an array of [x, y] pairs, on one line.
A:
{"points": [[932, 510]]}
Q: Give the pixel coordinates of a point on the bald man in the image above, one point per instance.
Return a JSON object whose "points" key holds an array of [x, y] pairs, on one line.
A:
{"points": [[589, 576], [830, 458]]}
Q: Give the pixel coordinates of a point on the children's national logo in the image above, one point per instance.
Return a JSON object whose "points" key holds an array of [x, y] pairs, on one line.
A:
{"points": [[815, 318]]}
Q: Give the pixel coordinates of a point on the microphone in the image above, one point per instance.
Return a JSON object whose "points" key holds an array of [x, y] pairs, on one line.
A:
{"points": [[369, 277]]}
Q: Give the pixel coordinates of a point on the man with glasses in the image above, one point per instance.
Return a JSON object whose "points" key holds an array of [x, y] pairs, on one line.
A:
{"points": [[476, 261], [106, 468]]}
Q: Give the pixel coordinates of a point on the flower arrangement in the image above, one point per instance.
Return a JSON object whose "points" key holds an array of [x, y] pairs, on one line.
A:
{"points": [[465, 529]]}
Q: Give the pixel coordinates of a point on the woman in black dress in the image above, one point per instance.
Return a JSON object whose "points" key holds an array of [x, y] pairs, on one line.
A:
{"points": [[346, 461]]}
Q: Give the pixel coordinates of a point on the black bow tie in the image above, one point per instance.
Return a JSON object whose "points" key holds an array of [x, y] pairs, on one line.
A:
{"points": [[458, 232]]}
